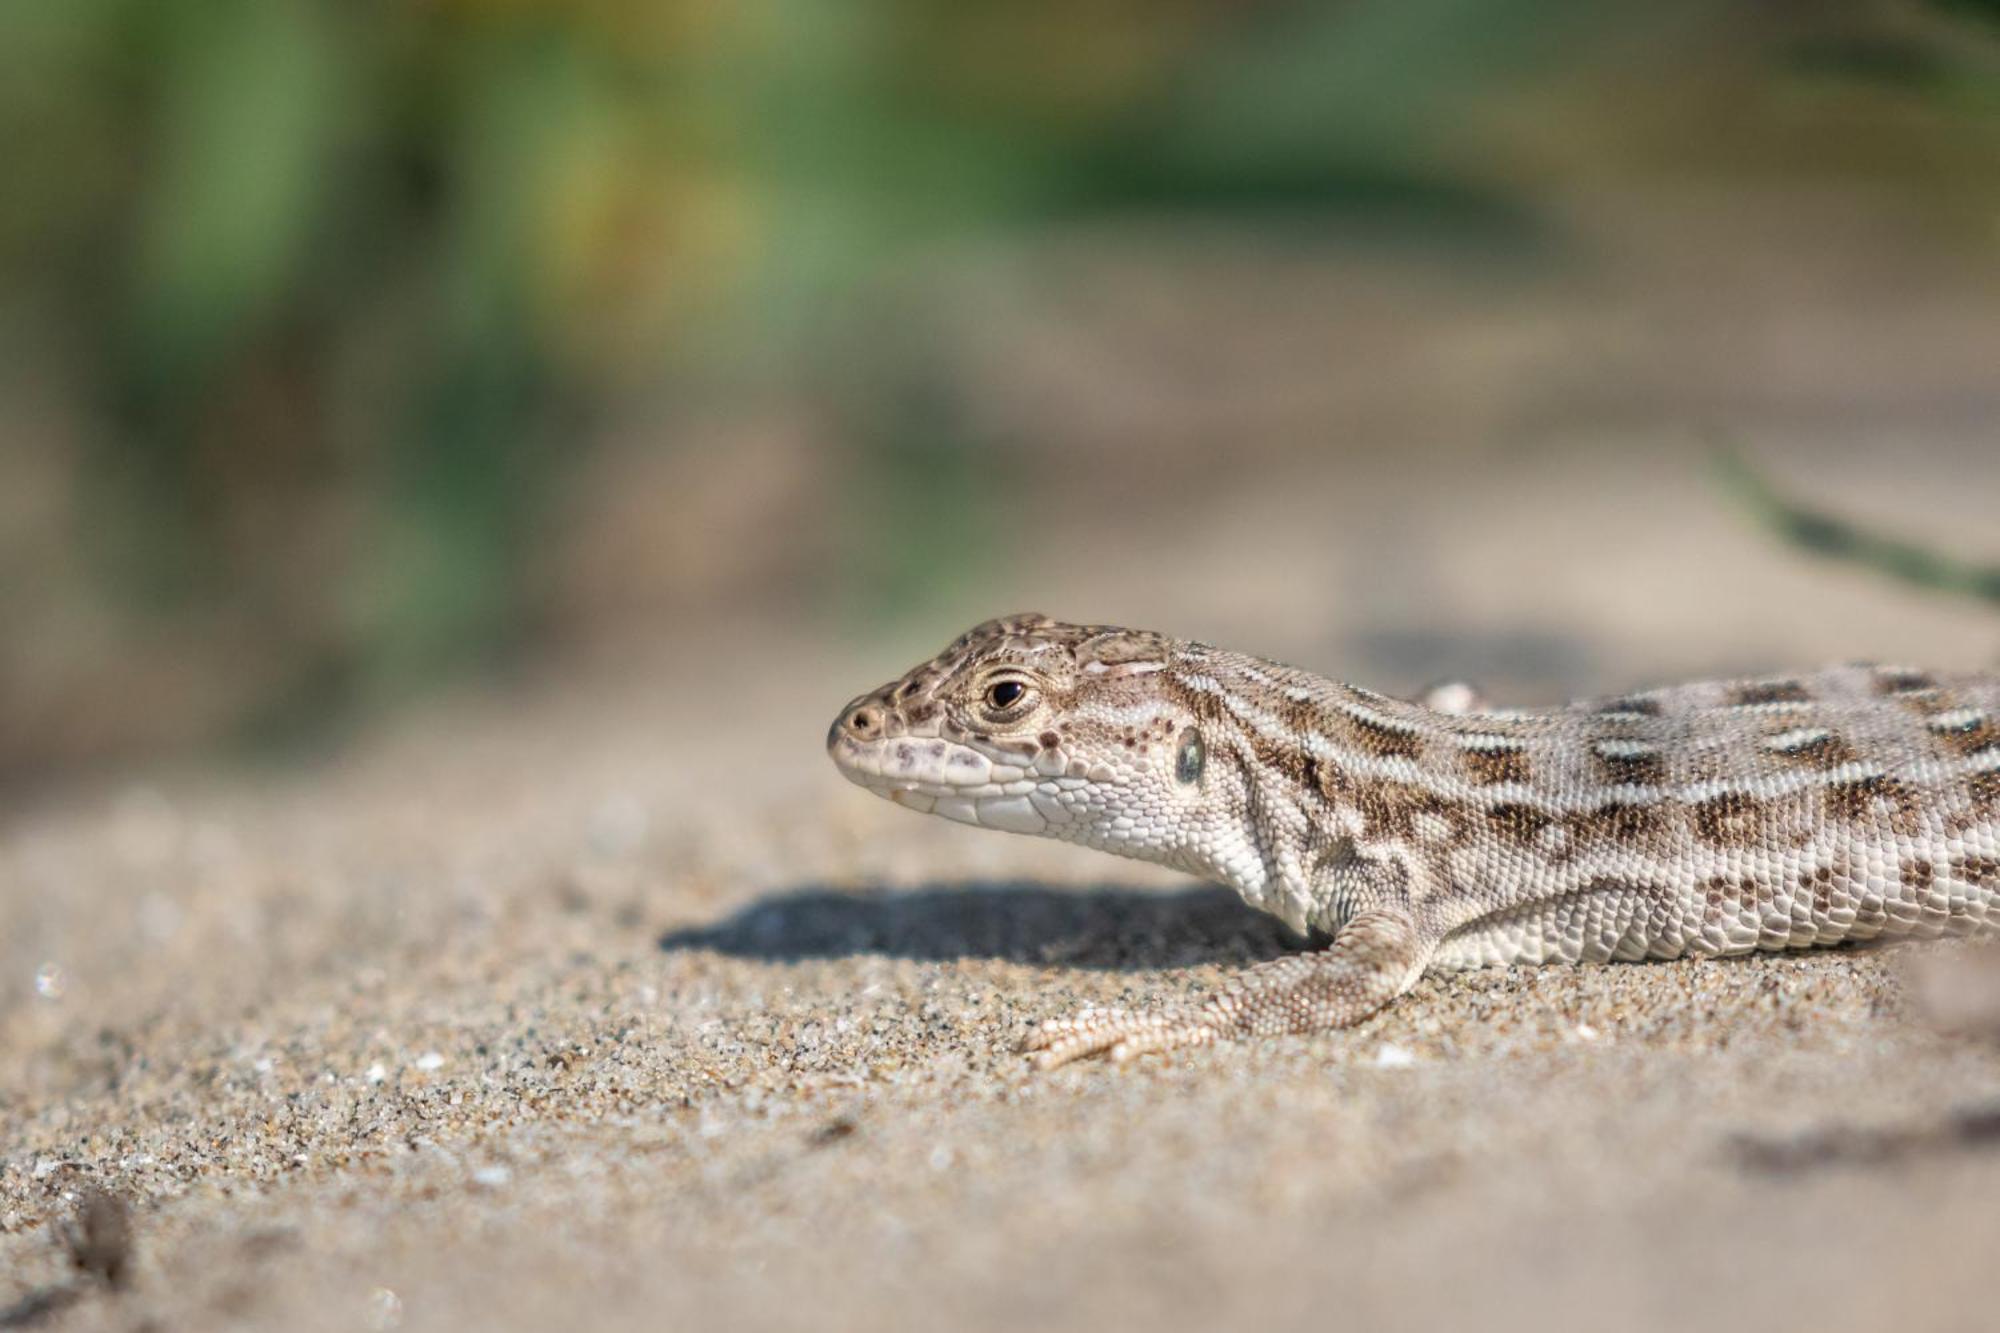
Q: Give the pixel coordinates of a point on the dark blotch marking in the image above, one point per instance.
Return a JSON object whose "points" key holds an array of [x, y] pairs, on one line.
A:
{"points": [[1300, 715], [1732, 819], [1523, 823], [1722, 889], [1632, 770], [1633, 704], [1490, 768], [1903, 682], [1821, 752], [1050, 740], [1862, 800], [1330, 778], [1974, 737], [1981, 872], [1292, 762], [920, 712], [1619, 822], [1384, 742], [1383, 813], [1928, 703], [1727, 896], [1390, 809], [1917, 876], [1770, 692], [1206, 707]]}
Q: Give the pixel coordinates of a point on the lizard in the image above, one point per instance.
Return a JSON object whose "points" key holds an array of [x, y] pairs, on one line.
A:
{"points": [[1697, 820]]}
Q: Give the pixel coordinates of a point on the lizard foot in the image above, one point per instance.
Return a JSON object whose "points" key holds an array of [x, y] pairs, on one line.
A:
{"points": [[1373, 960], [1117, 1034]]}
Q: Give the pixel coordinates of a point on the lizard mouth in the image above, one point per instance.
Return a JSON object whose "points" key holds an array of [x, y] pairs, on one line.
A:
{"points": [[936, 776]]}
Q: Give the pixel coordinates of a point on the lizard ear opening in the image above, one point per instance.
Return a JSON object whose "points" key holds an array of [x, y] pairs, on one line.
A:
{"points": [[1190, 757]]}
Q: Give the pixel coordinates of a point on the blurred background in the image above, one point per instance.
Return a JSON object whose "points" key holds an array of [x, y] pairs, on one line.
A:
{"points": [[456, 457], [357, 351]]}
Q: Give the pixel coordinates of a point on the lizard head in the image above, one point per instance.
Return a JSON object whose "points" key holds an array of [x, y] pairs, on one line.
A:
{"points": [[1035, 726]]}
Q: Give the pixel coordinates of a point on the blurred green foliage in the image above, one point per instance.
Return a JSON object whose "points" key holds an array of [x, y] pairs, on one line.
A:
{"points": [[1832, 537], [336, 288]]}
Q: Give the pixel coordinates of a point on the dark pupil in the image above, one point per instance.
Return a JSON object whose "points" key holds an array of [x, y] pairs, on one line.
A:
{"points": [[1006, 693], [1189, 756]]}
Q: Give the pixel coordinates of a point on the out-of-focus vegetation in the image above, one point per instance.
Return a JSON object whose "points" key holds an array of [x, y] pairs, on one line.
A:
{"points": [[1834, 537], [312, 307]]}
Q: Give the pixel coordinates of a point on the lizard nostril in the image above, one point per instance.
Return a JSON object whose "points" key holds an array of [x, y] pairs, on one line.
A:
{"points": [[861, 721]]}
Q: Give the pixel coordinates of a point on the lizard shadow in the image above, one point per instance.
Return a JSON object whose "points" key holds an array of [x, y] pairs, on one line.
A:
{"points": [[1110, 927]]}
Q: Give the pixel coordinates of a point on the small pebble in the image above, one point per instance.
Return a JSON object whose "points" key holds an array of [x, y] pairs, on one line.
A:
{"points": [[385, 1309]]}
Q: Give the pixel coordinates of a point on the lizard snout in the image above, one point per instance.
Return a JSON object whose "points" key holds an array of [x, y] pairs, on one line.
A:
{"points": [[867, 719]]}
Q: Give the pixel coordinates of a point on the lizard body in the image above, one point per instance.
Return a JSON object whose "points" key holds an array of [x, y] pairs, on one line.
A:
{"points": [[1712, 818]]}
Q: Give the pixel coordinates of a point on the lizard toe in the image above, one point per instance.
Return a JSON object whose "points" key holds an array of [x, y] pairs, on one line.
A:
{"points": [[1118, 1034]]}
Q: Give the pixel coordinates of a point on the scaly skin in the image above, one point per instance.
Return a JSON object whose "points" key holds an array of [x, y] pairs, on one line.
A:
{"points": [[1705, 819]]}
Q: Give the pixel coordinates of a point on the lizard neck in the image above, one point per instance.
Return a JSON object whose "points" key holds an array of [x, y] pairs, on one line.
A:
{"points": [[1308, 766], [1329, 741]]}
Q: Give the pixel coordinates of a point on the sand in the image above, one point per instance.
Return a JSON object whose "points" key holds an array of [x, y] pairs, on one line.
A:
{"points": [[453, 1035]]}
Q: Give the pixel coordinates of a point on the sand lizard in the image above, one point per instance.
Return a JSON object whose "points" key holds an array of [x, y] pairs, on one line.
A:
{"points": [[1704, 819]]}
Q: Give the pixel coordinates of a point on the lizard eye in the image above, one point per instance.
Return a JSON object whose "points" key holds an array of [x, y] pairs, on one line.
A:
{"points": [[1190, 757], [1005, 695]]}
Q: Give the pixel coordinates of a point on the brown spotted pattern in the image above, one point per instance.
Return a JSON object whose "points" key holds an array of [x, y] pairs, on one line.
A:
{"points": [[1490, 766], [1622, 766], [1818, 749], [1756, 693]]}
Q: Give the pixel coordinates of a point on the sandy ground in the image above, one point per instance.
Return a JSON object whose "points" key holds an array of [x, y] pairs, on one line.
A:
{"points": [[603, 1002]]}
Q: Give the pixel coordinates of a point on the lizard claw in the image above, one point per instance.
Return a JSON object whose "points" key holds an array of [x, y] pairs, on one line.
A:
{"points": [[1118, 1034]]}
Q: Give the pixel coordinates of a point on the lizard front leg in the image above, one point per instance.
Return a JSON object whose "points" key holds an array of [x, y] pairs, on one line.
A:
{"points": [[1377, 956]]}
